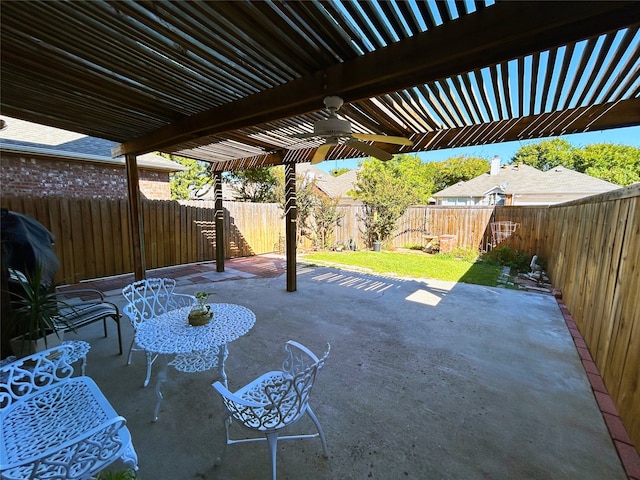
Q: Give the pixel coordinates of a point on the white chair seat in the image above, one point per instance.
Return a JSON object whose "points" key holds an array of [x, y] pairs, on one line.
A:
{"points": [[279, 385]]}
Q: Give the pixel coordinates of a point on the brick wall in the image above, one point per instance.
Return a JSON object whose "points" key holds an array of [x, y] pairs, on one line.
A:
{"points": [[24, 175]]}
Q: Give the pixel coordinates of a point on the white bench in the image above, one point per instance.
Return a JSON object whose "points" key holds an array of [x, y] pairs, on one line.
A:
{"points": [[79, 351], [53, 425]]}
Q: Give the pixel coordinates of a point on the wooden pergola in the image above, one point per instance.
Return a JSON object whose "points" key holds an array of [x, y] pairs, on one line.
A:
{"points": [[232, 83]]}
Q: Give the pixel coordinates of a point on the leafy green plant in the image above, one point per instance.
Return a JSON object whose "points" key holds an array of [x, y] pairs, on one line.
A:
{"points": [[195, 179], [325, 219], [507, 256], [126, 474], [34, 307], [202, 296], [386, 190], [414, 246]]}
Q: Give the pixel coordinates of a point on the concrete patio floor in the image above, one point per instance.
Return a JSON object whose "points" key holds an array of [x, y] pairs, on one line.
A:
{"points": [[426, 380]]}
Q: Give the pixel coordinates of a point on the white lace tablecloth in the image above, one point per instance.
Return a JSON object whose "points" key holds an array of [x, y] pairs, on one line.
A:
{"points": [[171, 333]]}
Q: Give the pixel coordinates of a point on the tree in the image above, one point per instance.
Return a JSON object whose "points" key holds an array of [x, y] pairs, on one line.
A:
{"points": [[254, 185], [387, 189], [456, 169], [546, 154], [325, 219], [619, 164], [317, 214], [182, 184]]}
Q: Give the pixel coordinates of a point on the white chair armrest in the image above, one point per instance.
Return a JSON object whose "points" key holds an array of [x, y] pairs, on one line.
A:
{"points": [[222, 390]]}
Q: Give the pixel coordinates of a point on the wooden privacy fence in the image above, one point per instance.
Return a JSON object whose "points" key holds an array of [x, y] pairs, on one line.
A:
{"points": [[591, 248], [468, 224], [93, 238]]}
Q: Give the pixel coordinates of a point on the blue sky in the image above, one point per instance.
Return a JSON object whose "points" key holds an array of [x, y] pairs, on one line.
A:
{"points": [[620, 136]]}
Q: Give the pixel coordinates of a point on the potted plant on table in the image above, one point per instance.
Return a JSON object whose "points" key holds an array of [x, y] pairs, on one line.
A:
{"points": [[34, 313], [201, 313]]}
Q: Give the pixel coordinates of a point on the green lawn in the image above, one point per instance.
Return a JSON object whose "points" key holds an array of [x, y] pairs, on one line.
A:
{"points": [[412, 264]]}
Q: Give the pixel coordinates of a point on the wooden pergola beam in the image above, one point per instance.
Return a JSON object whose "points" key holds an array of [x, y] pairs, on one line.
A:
{"points": [[510, 30]]}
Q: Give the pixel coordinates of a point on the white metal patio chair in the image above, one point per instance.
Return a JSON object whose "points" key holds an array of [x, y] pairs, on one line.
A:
{"points": [[276, 400], [53, 425], [147, 299], [154, 296]]}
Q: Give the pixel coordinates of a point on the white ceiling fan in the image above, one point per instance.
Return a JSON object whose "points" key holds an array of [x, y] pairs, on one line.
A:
{"points": [[335, 131]]}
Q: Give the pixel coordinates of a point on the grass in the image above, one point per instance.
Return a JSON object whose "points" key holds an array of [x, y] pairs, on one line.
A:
{"points": [[414, 265]]}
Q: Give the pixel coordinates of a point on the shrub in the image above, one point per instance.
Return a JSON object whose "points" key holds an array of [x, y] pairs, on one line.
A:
{"points": [[509, 257], [414, 246]]}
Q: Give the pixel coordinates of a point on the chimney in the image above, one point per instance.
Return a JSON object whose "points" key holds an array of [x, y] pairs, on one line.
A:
{"points": [[495, 165]]}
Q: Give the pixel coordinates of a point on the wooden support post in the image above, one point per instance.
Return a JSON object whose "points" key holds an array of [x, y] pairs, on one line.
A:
{"points": [[217, 190], [291, 212], [136, 225]]}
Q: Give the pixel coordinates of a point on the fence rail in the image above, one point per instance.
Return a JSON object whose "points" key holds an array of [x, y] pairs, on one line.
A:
{"points": [[591, 247]]}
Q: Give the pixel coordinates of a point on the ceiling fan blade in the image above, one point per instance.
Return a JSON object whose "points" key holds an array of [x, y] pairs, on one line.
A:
{"points": [[370, 150], [321, 153], [383, 138]]}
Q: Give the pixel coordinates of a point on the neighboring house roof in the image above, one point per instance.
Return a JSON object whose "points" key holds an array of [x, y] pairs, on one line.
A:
{"points": [[333, 187], [567, 180], [207, 193], [521, 179], [343, 184], [23, 137], [512, 178], [322, 179]]}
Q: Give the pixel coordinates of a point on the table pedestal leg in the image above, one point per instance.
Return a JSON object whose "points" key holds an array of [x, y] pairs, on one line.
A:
{"points": [[222, 353], [162, 377]]}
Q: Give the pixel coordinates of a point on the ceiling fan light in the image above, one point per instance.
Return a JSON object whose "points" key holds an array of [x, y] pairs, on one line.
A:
{"points": [[332, 126]]}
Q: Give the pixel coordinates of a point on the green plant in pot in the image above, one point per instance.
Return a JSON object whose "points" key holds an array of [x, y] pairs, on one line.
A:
{"points": [[126, 474], [34, 313], [201, 313]]}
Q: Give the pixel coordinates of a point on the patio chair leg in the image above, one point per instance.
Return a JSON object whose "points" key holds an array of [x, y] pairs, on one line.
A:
{"points": [[104, 326], [227, 424], [130, 353], [272, 439], [319, 428], [149, 363], [117, 320]]}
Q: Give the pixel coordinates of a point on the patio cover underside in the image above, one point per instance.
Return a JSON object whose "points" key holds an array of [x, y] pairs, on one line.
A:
{"points": [[230, 83]]}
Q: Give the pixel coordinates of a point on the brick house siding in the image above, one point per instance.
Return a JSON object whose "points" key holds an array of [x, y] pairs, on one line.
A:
{"points": [[29, 175]]}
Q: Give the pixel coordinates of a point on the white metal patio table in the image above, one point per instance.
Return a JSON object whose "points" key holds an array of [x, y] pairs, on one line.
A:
{"points": [[170, 334]]}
